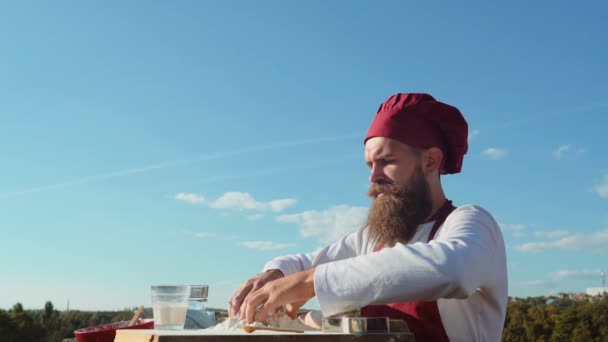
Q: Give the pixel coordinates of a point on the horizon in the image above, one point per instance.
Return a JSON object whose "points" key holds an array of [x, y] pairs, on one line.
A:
{"points": [[302, 309], [190, 143]]}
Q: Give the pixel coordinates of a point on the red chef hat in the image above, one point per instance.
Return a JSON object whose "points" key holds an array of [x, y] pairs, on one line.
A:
{"points": [[418, 120]]}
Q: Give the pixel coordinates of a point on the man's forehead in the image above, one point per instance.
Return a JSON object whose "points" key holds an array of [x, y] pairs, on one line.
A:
{"points": [[379, 146]]}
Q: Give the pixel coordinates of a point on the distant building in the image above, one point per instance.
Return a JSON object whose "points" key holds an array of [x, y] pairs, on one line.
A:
{"points": [[551, 301], [595, 291], [580, 297]]}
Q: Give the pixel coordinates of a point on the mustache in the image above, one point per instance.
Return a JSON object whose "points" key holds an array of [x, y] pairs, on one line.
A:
{"points": [[376, 189]]}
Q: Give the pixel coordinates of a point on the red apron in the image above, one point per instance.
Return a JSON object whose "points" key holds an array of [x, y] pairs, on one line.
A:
{"points": [[422, 317]]}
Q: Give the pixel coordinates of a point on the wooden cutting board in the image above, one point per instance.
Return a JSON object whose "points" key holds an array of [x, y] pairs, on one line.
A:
{"points": [[199, 336]]}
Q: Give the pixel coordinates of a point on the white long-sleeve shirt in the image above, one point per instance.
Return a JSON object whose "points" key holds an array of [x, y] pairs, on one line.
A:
{"points": [[463, 268]]}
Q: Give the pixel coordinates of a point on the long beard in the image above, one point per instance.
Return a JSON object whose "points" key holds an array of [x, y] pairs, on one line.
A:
{"points": [[395, 216]]}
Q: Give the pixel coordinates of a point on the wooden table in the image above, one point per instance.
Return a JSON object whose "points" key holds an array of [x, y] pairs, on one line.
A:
{"points": [[258, 336]]}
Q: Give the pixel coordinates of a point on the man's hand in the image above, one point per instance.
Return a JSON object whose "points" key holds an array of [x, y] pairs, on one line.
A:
{"points": [[294, 290], [253, 284]]}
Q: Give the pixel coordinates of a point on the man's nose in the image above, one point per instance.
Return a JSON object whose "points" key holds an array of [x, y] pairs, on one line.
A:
{"points": [[377, 174]]}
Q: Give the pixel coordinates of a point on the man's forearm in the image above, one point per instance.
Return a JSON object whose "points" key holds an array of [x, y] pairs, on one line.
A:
{"points": [[347, 247], [289, 264]]}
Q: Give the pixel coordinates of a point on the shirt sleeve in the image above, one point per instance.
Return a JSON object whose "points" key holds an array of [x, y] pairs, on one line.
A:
{"points": [[459, 260], [349, 246]]}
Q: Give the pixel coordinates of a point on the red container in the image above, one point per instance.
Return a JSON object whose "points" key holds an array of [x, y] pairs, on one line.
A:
{"points": [[107, 332]]}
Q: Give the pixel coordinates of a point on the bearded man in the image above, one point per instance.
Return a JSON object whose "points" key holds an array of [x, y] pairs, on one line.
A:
{"points": [[440, 268]]}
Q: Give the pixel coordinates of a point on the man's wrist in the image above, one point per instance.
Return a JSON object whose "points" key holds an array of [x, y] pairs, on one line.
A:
{"points": [[310, 279]]}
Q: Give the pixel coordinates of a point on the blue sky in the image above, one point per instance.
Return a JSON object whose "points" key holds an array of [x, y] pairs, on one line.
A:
{"points": [[190, 142]]}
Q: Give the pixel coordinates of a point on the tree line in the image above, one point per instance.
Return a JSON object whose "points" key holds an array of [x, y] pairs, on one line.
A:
{"points": [[563, 320], [528, 319], [19, 325]]}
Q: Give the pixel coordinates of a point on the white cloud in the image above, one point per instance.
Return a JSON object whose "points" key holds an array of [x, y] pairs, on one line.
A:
{"points": [[495, 153], [560, 151], [236, 200], [519, 234], [551, 233], [554, 283], [244, 200], [266, 245], [203, 235], [255, 217], [473, 134], [190, 198], [576, 274], [328, 225], [280, 205], [602, 188], [567, 150], [514, 264], [517, 226], [228, 238], [193, 159], [534, 283], [595, 242]]}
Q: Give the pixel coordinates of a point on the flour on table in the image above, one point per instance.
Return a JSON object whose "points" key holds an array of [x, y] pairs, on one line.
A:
{"points": [[233, 324]]}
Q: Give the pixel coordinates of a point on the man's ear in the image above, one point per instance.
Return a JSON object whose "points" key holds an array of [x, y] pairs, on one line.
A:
{"points": [[432, 160]]}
